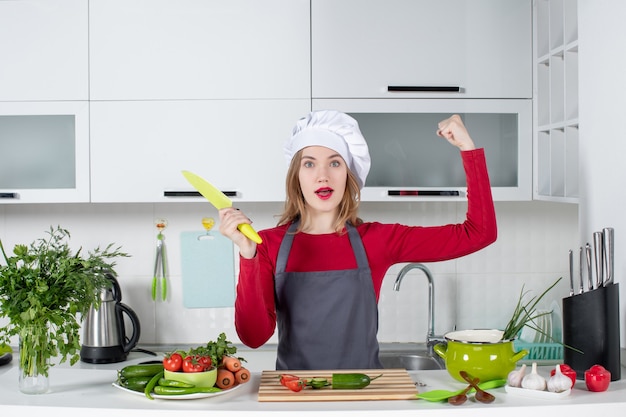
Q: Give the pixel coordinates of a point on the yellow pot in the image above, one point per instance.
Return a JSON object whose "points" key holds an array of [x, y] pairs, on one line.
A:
{"points": [[481, 353]]}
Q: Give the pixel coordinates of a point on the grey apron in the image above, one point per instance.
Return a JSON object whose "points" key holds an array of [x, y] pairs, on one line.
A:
{"points": [[327, 319]]}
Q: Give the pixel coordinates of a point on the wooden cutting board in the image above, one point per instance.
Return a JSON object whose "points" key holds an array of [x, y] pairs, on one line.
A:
{"points": [[394, 384]]}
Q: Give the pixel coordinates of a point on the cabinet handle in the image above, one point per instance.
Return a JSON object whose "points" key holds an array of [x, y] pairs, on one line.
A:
{"points": [[424, 88], [413, 193], [193, 193], [9, 195]]}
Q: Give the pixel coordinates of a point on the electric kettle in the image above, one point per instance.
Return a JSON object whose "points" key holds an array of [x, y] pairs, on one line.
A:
{"points": [[104, 335]]}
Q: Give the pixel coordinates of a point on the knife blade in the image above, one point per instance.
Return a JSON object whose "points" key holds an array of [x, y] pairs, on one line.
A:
{"points": [[608, 234], [598, 247], [589, 267], [219, 201], [571, 272]]}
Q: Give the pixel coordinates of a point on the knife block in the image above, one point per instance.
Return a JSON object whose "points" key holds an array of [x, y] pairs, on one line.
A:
{"points": [[591, 324]]}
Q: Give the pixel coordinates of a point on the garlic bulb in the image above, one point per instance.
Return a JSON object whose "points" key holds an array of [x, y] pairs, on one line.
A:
{"points": [[559, 382], [533, 380], [514, 379]]}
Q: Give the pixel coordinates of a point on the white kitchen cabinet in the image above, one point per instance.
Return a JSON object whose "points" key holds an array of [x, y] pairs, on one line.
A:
{"points": [[45, 152], [43, 50], [199, 49], [425, 48], [411, 163], [139, 148], [556, 105]]}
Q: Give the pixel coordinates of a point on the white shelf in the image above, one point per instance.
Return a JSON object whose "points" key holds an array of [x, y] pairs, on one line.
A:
{"points": [[556, 101]]}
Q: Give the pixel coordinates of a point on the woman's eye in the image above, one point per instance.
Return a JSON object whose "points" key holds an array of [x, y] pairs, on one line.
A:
{"points": [[307, 164], [335, 164]]}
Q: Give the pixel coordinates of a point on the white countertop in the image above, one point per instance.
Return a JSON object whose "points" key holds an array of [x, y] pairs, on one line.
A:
{"points": [[86, 390]]}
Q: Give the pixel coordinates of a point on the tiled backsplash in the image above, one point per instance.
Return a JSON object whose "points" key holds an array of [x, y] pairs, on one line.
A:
{"points": [[476, 291]]}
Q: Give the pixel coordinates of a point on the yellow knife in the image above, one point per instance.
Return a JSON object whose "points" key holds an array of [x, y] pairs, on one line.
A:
{"points": [[220, 201]]}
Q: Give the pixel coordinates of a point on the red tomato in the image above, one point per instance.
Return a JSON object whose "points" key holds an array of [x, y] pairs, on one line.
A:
{"points": [[205, 361], [173, 362], [567, 371], [295, 384], [191, 364], [597, 378], [284, 378]]}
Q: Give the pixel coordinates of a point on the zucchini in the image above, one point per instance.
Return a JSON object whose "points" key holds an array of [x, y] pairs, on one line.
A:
{"points": [[165, 390], [133, 371], [352, 381]]}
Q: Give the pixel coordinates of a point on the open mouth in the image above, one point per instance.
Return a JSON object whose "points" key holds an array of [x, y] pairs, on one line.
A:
{"points": [[324, 193]]}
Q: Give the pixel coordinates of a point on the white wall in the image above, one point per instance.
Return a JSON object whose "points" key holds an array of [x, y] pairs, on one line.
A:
{"points": [[477, 291], [602, 98]]}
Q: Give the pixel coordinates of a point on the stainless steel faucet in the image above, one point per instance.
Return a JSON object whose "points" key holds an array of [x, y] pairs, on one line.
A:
{"points": [[431, 339]]}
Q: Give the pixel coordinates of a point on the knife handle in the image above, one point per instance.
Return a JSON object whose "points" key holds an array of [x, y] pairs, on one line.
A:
{"points": [[608, 236], [598, 246], [250, 233], [589, 267]]}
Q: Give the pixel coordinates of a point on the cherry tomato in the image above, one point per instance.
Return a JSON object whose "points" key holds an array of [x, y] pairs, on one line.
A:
{"points": [[597, 378], [173, 362], [567, 371], [205, 361], [191, 364]]}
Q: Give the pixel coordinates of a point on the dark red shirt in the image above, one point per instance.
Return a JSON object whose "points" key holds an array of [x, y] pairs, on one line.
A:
{"points": [[385, 245]]}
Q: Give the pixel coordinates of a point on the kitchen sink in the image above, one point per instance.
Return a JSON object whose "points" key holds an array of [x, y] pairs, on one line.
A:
{"points": [[409, 361]]}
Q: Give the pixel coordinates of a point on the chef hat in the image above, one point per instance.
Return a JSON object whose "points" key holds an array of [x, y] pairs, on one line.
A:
{"points": [[334, 130]]}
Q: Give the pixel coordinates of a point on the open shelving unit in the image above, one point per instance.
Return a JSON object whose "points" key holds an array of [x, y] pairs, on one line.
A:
{"points": [[556, 101]]}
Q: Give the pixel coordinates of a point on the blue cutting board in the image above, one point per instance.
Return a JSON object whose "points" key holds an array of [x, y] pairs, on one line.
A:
{"points": [[208, 270]]}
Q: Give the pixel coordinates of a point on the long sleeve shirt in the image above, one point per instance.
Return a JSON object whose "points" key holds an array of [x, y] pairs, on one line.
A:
{"points": [[385, 245]]}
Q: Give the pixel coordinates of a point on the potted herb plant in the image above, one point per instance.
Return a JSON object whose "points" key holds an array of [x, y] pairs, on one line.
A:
{"points": [[45, 289]]}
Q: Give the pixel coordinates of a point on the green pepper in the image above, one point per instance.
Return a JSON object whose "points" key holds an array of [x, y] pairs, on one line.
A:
{"points": [[352, 381], [173, 383], [164, 390], [152, 384]]}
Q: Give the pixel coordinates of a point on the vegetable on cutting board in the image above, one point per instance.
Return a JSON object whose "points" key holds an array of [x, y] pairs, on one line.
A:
{"points": [[337, 381]]}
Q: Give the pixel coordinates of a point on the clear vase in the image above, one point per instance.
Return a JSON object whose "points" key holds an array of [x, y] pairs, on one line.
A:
{"points": [[33, 360]]}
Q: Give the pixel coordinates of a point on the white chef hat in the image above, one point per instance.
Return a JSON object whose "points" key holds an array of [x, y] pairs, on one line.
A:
{"points": [[334, 130]]}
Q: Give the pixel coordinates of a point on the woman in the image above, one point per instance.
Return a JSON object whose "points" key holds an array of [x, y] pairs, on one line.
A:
{"points": [[317, 275]]}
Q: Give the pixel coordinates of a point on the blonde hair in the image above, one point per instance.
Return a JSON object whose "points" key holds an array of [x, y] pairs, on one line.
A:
{"points": [[295, 205]]}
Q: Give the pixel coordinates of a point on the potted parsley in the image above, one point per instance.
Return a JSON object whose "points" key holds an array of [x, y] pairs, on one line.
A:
{"points": [[45, 289]]}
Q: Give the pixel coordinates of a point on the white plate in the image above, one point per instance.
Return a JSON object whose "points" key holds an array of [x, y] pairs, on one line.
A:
{"points": [[179, 397], [533, 393]]}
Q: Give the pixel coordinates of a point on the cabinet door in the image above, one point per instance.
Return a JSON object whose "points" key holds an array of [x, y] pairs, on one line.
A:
{"points": [[43, 50], [483, 47], [139, 148], [199, 49], [45, 152], [411, 163]]}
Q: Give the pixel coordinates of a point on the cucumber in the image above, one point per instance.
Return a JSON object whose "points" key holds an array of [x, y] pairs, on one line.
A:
{"points": [[137, 383], [352, 381], [133, 371], [164, 390]]}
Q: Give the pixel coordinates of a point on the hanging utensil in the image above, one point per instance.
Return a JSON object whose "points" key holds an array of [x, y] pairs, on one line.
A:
{"points": [[160, 263], [608, 234], [598, 247]]}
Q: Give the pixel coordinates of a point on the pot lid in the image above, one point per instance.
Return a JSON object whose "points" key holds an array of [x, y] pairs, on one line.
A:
{"points": [[476, 336]]}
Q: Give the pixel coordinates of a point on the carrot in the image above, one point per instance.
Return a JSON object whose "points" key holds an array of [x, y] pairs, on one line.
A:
{"points": [[231, 363], [242, 375], [225, 378]]}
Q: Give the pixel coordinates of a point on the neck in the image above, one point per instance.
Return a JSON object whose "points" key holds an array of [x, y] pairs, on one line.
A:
{"points": [[320, 223]]}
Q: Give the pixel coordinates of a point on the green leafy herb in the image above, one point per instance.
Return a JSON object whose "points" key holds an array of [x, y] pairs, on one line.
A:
{"points": [[217, 349], [45, 289]]}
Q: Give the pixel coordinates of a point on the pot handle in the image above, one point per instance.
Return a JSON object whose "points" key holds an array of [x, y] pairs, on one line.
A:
{"points": [[519, 355], [441, 349], [134, 338]]}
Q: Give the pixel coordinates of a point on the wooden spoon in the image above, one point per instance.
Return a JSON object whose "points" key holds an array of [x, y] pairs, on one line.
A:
{"points": [[462, 396], [482, 396]]}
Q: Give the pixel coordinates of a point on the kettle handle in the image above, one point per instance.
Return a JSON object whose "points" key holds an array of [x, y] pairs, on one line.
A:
{"points": [[122, 308]]}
